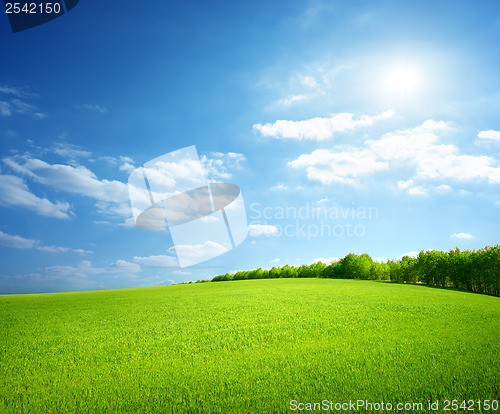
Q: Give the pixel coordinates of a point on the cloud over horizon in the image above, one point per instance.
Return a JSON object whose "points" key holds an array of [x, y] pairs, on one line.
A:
{"points": [[419, 148], [319, 129], [18, 242]]}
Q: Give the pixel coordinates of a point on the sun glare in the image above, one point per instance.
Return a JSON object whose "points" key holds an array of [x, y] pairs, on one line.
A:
{"points": [[403, 80]]}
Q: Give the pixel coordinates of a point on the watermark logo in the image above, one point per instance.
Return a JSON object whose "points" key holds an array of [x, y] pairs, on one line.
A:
{"points": [[311, 220], [204, 219], [27, 14]]}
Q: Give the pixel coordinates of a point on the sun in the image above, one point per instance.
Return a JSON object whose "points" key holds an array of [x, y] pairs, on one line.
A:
{"points": [[403, 80]]}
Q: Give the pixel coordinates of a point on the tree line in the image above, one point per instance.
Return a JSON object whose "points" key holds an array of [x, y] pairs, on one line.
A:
{"points": [[475, 271]]}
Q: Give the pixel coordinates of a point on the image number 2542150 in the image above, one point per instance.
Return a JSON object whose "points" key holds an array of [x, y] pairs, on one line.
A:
{"points": [[27, 14]]}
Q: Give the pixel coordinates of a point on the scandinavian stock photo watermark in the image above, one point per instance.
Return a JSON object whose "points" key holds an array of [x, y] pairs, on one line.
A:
{"points": [[383, 406], [311, 220], [205, 219]]}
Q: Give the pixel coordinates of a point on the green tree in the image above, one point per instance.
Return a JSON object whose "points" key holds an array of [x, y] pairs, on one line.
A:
{"points": [[353, 266]]}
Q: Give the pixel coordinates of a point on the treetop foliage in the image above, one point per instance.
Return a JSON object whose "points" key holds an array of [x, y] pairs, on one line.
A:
{"points": [[475, 271]]}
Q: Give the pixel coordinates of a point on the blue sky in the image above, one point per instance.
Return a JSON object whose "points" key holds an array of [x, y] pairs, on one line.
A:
{"points": [[368, 126]]}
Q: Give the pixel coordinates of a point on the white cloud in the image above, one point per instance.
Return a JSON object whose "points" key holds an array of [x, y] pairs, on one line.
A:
{"points": [[115, 209], [127, 164], [5, 109], [459, 167], [404, 185], [46, 282], [58, 249], [279, 187], [322, 202], [293, 99], [122, 266], [276, 260], [327, 260], [411, 188], [194, 252], [167, 176], [302, 88], [15, 105], [420, 148], [98, 108], [490, 134], [70, 151], [262, 230], [432, 125], [158, 261], [462, 236], [85, 269], [418, 191], [417, 148], [311, 13], [443, 188], [315, 80], [328, 166], [128, 222], [308, 81], [318, 128], [17, 91], [18, 242], [78, 180], [126, 159], [112, 196], [82, 276], [9, 90], [412, 144], [15, 193], [410, 254], [219, 166], [127, 167], [22, 107]]}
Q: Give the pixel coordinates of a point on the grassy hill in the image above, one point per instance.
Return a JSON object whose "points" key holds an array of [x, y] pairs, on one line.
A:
{"points": [[247, 346]]}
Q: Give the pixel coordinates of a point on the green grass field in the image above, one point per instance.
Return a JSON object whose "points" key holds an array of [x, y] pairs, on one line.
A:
{"points": [[247, 346]]}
